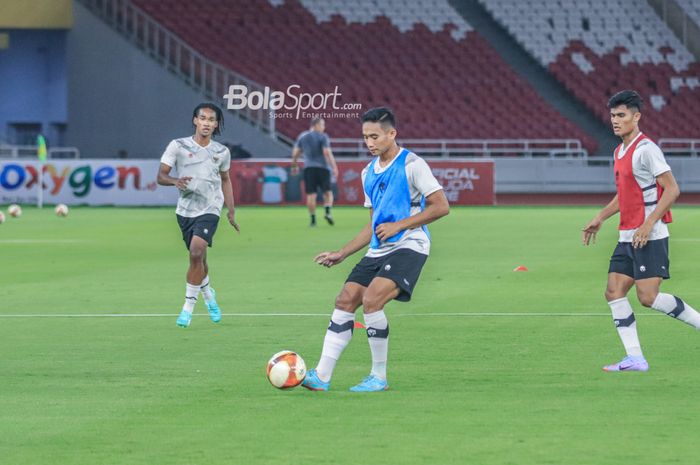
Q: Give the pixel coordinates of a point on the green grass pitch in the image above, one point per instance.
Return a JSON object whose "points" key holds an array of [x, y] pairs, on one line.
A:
{"points": [[486, 387]]}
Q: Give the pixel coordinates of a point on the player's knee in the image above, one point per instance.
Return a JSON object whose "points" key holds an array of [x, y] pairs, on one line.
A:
{"points": [[609, 295], [646, 298], [372, 303], [612, 294], [197, 254], [346, 302]]}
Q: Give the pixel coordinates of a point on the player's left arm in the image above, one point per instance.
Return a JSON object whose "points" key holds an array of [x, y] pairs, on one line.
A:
{"points": [[670, 193], [420, 176], [296, 153], [227, 189], [330, 159], [436, 206]]}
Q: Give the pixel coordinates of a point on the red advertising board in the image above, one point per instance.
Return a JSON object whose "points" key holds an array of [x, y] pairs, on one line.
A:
{"points": [[270, 182]]}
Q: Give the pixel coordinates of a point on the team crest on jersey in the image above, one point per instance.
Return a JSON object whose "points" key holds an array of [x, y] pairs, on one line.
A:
{"points": [[190, 155], [216, 159]]}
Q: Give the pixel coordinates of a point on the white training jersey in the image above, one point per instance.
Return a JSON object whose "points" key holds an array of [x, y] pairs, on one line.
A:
{"points": [[204, 165], [421, 183], [648, 162]]}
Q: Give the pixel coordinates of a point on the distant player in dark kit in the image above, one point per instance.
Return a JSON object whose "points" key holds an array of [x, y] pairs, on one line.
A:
{"points": [[202, 165], [403, 196], [646, 189], [319, 165]]}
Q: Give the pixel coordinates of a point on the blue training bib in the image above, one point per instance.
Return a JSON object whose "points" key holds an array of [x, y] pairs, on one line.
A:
{"points": [[390, 196]]}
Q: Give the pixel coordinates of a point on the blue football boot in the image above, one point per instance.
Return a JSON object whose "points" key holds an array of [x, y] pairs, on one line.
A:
{"points": [[213, 308], [184, 319], [371, 384], [314, 383]]}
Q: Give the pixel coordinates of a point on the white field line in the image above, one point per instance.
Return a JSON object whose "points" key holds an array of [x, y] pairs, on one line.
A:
{"points": [[326, 315]]}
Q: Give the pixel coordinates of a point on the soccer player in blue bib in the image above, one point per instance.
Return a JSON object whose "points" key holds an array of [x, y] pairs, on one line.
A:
{"points": [[403, 197]]}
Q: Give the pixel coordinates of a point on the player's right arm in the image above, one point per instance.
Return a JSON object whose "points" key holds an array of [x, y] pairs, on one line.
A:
{"points": [[591, 229], [164, 178], [358, 242], [167, 161]]}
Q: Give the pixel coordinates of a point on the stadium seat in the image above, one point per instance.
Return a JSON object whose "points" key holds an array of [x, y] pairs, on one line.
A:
{"points": [[453, 84], [596, 48], [691, 8]]}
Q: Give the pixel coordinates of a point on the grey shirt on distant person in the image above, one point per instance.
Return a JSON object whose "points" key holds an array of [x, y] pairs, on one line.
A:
{"points": [[312, 143]]}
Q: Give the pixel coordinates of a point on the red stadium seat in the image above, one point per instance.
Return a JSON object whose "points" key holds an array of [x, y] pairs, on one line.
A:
{"points": [[629, 48], [440, 85]]}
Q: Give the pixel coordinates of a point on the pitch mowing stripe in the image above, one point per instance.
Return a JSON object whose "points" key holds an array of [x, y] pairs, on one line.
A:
{"points": [[170, 315]]}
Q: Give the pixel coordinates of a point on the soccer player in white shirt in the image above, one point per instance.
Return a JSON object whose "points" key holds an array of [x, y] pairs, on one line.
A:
{"points": [[402, 196], [646, 189], [202, 165]]}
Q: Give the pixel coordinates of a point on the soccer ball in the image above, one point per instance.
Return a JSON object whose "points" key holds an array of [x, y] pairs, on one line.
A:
{"points": [[61, 210], [14, 210], [286, 369], [2, 217]]}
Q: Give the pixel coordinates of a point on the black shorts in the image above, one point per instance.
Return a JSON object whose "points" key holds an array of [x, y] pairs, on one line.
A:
{"points": [[402, 266], [203, 226], [651, 261], [315, 178]]}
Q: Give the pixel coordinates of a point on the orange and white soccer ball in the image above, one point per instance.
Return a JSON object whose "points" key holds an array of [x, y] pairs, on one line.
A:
{"points": [[61, 209], [286, 369], [14, 210]]}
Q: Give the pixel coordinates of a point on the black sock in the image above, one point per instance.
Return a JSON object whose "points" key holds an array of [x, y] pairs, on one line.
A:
{"points": [[313, 219], [328, 210]]}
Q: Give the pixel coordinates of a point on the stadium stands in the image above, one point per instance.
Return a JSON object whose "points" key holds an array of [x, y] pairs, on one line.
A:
{"points": [[595, 48], [452, 84], [691, 8]]}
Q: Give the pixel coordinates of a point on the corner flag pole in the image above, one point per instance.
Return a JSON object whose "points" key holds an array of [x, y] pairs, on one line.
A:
{"points": [[41, 153]]}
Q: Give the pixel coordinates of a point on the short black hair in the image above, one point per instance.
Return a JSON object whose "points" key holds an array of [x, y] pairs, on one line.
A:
{"points": [[315, 120], [629, 98], [215, 108], [382, 115]]}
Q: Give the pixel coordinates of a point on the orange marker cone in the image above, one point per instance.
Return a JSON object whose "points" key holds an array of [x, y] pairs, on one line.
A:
{"points": [[521, 268], [359, 325]]}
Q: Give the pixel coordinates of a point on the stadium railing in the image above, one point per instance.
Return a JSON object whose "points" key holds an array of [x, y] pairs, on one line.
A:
{"points": [[680, 147], [486, 148], [204, 75], [30, 151]]}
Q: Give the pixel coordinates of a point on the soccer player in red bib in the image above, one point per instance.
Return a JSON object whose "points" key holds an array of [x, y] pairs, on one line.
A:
{"points": [[646, 189]]}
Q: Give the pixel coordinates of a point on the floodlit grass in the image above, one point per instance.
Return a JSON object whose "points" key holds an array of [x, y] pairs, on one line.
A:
{"points": [[481, 388]]}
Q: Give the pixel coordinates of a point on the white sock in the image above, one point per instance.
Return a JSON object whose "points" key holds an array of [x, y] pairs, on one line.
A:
{"points": [[191, 292], [676, 308], [206, 289], [378, 337], [337, 338], [626, 325]]}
